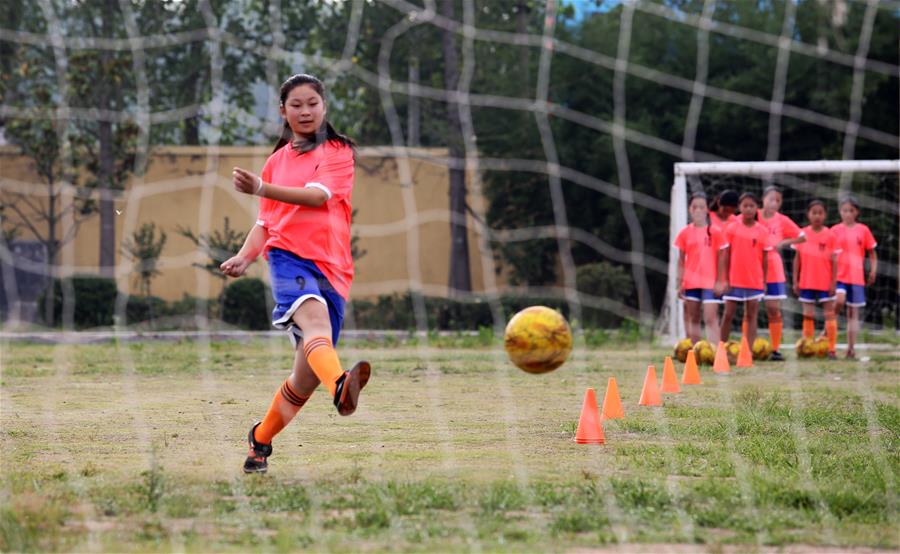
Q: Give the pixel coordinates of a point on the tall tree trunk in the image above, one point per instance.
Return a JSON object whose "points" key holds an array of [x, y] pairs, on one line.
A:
{"points": [[524, 63], [459, 279], [105, 172]]}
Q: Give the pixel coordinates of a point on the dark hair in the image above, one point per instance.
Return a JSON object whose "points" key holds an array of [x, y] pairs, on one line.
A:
{"points": [[727, 198], [327, 133], [701, 194], [849, 199], [816, 202], [771, 188], [751, 196]]}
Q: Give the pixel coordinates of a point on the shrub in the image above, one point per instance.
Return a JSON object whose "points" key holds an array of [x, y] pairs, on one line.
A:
{"points": [[244, 304], [145, 308], [94, 301], [603, 280]]}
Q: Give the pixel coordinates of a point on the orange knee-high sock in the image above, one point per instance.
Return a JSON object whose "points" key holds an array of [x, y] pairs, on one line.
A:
{"points": [[831, 333], [775, 328], [284, 407], [324, 361], [809, 327]]}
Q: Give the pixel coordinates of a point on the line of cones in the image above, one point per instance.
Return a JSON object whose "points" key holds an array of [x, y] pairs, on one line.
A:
{"points": [[590, 427]]}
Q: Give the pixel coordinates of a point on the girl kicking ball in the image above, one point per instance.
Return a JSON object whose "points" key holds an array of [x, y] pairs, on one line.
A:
{"points": [[854, 240], [303, 229], [815, 273]]}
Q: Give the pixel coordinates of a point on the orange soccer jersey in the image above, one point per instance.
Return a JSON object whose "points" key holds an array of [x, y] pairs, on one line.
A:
{"points": [[746, 245], [701, 247], [815, 258], [853, 242], [320, 235], [780, 227], [720, 224]]}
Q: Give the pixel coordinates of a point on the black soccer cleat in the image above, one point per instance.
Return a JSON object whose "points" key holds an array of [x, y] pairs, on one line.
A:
{"points": [[777, 357], [346, 392], [256, 458]]}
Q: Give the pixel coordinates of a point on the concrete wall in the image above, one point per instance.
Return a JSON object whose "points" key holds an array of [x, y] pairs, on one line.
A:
{"points": [[404, 231]]}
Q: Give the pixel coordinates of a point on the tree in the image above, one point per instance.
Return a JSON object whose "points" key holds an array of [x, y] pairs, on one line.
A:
{"points": [[144, 249], [218, 246]]}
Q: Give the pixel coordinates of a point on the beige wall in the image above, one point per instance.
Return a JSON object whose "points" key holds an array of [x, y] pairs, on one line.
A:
{"points": [[191, 187]]}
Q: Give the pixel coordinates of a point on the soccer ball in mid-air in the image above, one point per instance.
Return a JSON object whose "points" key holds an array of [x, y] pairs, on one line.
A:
{"points": [[732, 349], [761, 349], [704, 352], [681, 349], [538, 339], [806, 348]]}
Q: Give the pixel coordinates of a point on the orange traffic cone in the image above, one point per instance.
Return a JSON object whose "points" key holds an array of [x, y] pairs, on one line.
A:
{"points": [[589, 429], [669, 380], [745, 357], [691, 375], [612, 404], [650, 395], [721, 365]]}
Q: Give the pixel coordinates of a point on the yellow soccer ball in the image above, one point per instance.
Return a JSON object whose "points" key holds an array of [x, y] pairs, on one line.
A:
{"points": [[704, 352], [732, 349], [821, 346], [538, 339], [681, 349], [805, 347], [761, 349]]}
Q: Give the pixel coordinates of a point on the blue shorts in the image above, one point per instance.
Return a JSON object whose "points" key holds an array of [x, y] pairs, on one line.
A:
{"points": [[294, 281], [707, 296], [776, 291], [740, 294], [811, 296], [856, 294]]}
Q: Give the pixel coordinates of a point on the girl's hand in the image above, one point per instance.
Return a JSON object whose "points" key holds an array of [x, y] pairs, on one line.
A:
{"points": [[831, 290], [719, 288], [246, 182], [796, 288], [871, 280], [235, 266]]}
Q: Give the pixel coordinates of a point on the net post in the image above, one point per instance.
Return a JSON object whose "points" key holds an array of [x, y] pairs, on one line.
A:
{"points": [[677, 221]]}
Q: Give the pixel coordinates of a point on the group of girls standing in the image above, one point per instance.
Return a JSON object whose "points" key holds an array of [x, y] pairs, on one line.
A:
{"points": [[730, 254]]}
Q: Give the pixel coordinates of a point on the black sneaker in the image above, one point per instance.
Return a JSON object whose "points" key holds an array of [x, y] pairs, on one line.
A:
{"points": [[256, 458], [777, 357], [346, 394]]}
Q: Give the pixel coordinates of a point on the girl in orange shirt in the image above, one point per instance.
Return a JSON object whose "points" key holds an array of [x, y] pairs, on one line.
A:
{"points": [[743, 266], [698, 246], [854, 240], [303, 229], [815, 273]]}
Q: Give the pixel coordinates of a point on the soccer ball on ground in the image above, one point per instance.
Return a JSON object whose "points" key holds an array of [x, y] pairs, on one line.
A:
{"points": [[538, 339], [704, 352], [821, 346], [732, 349], [681, 349], [805, 347], [761, 349]]}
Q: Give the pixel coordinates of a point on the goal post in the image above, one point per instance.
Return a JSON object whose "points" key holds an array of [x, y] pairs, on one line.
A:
{"points": [[801, 180]]}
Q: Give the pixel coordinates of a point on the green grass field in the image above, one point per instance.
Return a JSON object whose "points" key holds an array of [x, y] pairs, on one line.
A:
{"points": [[138, 447]]}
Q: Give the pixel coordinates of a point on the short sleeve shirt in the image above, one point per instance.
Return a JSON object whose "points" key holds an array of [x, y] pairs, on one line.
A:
{"points": [[853, 242], [747, 244], [816, 258], [701, 247], [780, 227], [320, 235]]}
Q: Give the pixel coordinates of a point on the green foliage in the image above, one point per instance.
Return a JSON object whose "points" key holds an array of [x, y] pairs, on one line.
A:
{"points": [[603, 281], [145, 308], [244, 303], [93, 300], [144, 249], [218, 246]]}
